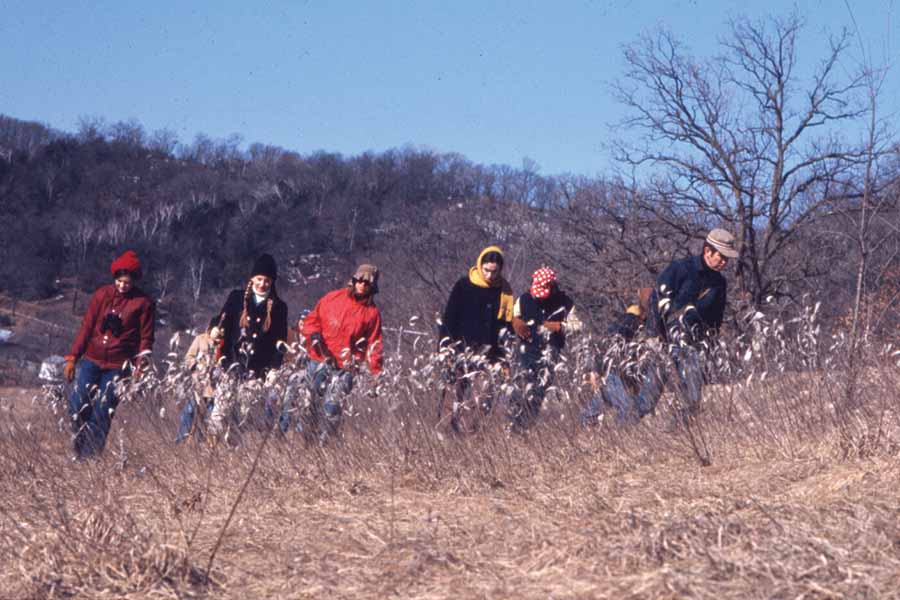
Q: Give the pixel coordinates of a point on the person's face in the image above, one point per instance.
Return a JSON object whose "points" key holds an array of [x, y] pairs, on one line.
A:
{"points": [[261, 285], [714, 259], [490, 272], [361, 287], [124, 283]]}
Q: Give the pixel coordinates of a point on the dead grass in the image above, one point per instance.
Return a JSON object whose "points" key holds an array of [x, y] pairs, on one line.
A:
{"points": [[800, 501]]}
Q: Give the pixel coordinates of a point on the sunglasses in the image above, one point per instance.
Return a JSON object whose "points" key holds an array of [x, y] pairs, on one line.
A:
{"points": [[361, 280]]}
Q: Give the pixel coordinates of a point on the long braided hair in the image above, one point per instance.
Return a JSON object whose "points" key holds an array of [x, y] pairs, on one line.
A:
{"points": [[248, 293]]}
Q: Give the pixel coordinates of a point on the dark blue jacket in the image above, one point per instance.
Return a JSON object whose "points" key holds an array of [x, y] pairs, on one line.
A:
{"points": [[470, 317], [535, 313], [688, 282]]}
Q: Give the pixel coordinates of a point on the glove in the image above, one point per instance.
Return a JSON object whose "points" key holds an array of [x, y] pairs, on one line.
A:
{"points": [[69, 370]]}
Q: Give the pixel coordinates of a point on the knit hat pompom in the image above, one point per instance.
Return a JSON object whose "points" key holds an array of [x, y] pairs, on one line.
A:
{"points": [[542, 282], [265, 265], [128, 262]]}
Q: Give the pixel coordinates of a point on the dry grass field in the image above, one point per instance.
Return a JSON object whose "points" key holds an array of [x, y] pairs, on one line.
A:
{"points": [[801, 499]]}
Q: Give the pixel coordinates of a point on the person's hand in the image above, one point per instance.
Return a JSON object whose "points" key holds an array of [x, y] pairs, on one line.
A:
{"points": [[594, 379], [654, 344], [69, 371], [522, 329], [553, 326]]}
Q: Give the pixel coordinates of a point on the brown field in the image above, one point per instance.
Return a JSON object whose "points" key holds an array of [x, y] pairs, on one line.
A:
{"points": [[800, 501]]}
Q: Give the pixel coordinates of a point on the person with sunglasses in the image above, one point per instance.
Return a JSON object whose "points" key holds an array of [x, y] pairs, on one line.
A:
{"points": [[686, 307], [115, 339], [342, 332]]}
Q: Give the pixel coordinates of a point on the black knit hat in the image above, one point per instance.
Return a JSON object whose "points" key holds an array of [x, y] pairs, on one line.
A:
{"points": [[265, 265]]}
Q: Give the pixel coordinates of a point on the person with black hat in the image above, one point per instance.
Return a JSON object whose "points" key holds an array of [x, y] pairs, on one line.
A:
{"points": [[342, 332], [253, 321], [687, 306], [117, 329]]}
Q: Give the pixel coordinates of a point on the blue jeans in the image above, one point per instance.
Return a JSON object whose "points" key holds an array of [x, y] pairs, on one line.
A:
{"points": [[654, 377], [327, 386], [188, 414], [690, 381], [613, 393], [91, 407]]}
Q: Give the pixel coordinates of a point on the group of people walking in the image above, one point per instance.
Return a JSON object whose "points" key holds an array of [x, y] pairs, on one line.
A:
{"points": [[246, 340]]}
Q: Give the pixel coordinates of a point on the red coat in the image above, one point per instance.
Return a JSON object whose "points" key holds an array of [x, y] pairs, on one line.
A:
{"points": [[346, 323], [104, 348]]}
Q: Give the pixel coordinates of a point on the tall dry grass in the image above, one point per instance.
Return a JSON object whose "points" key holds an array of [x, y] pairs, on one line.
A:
{"points": [[799, 498]]}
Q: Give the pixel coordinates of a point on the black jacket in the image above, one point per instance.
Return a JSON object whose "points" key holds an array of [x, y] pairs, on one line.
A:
{"points": [[687, 282], [470, 318], [556, 307], [260, 353]]}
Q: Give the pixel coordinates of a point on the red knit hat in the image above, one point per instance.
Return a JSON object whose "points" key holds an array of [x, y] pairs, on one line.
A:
{"points": [[542, 282], [127, 262]]}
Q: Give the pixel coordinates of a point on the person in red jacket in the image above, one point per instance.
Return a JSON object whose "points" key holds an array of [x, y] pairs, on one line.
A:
{"points": [[341, 332], [116, 335]]}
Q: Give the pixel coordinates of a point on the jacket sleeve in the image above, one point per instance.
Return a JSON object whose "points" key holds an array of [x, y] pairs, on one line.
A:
{"points": [[190, 357], [711, 307], [313, 321], [79, 346], [667, 289], [450, 319], [375, 345], [280, 330], [148, 328]]}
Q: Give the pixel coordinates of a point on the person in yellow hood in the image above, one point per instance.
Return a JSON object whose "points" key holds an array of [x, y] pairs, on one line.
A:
{"points": [[479, 307]]}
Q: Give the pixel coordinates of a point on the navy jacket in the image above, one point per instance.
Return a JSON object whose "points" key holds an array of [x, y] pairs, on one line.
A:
{"points": [[555, 307], [260, 353], [688, 282], [470, 317]]}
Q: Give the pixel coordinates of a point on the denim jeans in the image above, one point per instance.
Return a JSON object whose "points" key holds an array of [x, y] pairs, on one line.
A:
{"points": [[327, 387], [188, 414], [654, 376], [613, 393], [528, 394], [91, 407], [686, 361]]}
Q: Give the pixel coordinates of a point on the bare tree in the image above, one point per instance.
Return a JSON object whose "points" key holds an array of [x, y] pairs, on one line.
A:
{"points": [[738, 139], [195, 269]]}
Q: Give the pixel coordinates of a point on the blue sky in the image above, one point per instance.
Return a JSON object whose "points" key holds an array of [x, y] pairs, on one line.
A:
{"points": [[494, 81]]}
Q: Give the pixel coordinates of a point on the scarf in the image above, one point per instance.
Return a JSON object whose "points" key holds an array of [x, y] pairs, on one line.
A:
{"points": [[506, 294]]}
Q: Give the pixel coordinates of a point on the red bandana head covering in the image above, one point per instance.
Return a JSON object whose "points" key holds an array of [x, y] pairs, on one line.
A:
{"points": [[542, 282]]}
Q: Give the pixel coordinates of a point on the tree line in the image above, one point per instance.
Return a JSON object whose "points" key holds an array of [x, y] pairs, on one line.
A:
{"points": [[799, 165]]}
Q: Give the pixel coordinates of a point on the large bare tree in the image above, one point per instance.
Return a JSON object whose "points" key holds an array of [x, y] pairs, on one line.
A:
{"points": [[741, 139]]}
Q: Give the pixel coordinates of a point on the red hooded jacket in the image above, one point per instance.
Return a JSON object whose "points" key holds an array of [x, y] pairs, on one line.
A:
{"points": [[103, 347], [349, 327]]}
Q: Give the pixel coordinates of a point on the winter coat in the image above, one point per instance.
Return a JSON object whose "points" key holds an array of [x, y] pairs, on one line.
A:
{"points": [[260, 351], [115, 328], [198, 359], [536, 315], [471, 317], [696, 298], [350, 329]]}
